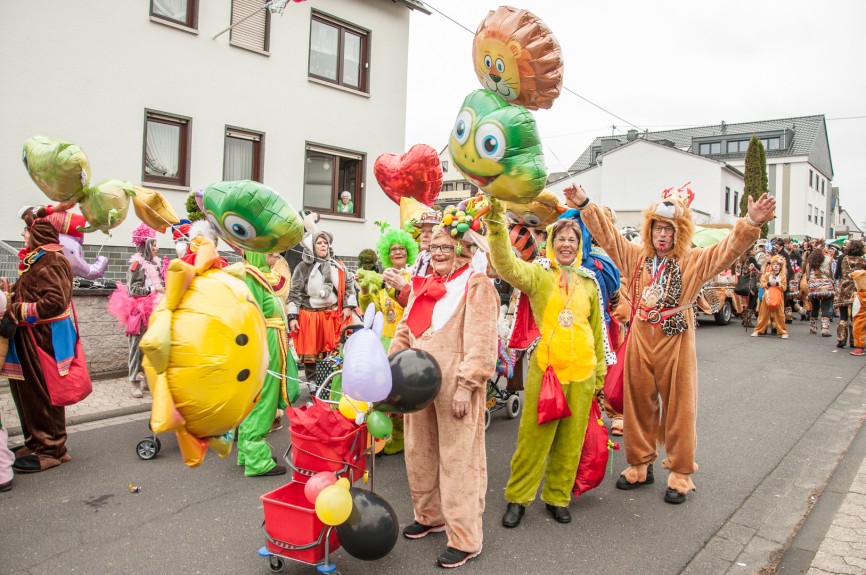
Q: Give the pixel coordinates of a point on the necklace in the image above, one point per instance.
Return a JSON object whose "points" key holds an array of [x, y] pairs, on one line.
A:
{"points": [[654, 293], [566, 316]]}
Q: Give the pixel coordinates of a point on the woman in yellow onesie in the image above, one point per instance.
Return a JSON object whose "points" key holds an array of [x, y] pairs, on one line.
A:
{"points": [[565, 302]]}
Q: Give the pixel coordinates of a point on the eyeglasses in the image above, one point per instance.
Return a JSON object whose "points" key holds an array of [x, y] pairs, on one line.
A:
{"points": [[442, 249], [663, 230], [398, 249]]}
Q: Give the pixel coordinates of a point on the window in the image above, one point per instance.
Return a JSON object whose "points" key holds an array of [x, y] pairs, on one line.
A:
{"points": [[338, 52], [738, 147], [727, 200], [736, 203], [809, 213], [822, 187], [466, 186], [449, 187], [816, 214], [709, 148], [251, 25], [810, 178], [183, 12], [445, 166], [772, 143], [243, 159], [166, 149], [328, 173], [822, 218]]}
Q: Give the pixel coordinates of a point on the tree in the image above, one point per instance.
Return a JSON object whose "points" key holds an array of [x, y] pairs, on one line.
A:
{"points": [[756, 182], [194, 214]]}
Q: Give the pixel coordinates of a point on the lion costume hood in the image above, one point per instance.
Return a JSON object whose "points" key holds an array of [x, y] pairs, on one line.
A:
{"points": [[674, 209]]}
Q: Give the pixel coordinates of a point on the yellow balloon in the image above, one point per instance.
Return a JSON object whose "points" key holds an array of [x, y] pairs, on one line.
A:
{"points": [[350, 408], [153, 209], [343, 483], [206, 354], [333, 505]]}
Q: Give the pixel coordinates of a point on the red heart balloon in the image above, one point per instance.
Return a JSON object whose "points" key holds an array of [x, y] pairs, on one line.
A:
{"points": [[416, 174]]}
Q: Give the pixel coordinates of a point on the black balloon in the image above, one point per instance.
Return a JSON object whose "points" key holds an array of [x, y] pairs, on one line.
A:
{"points": [[371, 530], [415, 381]]}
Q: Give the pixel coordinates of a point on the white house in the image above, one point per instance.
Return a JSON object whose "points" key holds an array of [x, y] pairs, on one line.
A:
{"points": [[631, 176], [303, 101], [799, 166], [847, 226]]}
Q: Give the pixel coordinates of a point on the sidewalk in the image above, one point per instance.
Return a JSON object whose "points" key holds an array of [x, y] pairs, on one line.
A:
{"points": [[110, 398]]}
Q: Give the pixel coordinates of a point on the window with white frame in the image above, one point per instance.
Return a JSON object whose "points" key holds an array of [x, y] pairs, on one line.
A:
{"points": [[727, 200], [243, 158], [339, 52], [334, 181], [809, 213], [736, 203], [183, 12], [251, 25], [822, 186], [822, 217], [166, 149], [811, 175]]}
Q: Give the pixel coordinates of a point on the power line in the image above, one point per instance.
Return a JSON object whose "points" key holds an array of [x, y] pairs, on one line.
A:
{"points": [[565, 88]]}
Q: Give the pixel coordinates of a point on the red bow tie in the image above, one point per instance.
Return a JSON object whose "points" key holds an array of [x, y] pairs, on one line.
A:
{"points": [[428, 290]]}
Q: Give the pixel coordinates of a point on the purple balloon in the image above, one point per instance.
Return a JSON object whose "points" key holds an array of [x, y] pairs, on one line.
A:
{"points": [[366, 372], [75, 254]]}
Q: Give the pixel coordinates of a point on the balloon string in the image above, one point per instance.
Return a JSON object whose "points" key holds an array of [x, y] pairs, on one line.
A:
{"points": [[157, 214]]}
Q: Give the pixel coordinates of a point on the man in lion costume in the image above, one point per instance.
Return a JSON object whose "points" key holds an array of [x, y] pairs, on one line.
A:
{"points": [[662, 278], [516, 55]]}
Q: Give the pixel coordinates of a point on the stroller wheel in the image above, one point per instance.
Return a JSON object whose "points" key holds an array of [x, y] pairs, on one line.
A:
{"points": [[158, 443], [147, 448], [512, 406], [487, 417], [275, 564]]}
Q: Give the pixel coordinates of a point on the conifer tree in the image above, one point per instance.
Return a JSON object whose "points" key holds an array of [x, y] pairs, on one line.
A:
{"points": [[756, 182]]}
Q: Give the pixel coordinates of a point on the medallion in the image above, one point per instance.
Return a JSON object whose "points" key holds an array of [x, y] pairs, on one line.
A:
{"points": [[391, 315], [652, 295], [566, 318]]}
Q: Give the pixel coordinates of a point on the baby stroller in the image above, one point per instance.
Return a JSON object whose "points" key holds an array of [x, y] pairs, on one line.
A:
{"points": [[501, 397]]}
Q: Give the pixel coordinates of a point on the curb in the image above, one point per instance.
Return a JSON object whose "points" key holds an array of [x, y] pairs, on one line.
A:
{"points": [[95, 416], [755, 538]]}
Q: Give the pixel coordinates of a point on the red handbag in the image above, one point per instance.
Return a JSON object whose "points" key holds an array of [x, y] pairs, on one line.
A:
{"points": [[551, 399], [593, 457], [66, 389]]}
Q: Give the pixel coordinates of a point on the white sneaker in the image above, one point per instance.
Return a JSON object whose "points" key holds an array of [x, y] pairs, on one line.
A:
{"points": [[136, 390], [755, 334]]}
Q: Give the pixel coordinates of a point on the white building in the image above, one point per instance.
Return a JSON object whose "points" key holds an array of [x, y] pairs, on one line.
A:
{"points": [[631, 176], [847, 226], [303, 102], [799, 166]]}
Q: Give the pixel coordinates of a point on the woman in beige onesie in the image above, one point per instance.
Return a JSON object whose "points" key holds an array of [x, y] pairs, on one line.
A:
{"points": [[451, 315]]}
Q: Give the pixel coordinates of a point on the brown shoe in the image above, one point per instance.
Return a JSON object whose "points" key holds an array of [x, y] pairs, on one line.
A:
{"points": [[276, 470], [34, 463], [277, 425]]}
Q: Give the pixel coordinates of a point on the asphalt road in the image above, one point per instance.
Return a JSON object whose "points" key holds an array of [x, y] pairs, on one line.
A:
{"points": [[757, 399]]}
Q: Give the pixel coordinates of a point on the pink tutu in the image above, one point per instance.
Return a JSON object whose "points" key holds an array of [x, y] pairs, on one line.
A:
{"points": [[132, 313]]}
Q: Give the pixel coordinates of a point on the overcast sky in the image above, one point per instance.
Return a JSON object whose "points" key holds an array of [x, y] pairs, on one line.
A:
{"points": [[665, 65]]}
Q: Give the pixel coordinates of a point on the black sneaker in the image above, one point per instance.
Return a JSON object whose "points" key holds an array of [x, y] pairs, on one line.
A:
{"points": [[455, 558], [417, 530]]}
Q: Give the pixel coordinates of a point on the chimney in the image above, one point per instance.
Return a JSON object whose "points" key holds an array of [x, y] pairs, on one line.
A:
{"points": [[631, 136], [724, 127]]}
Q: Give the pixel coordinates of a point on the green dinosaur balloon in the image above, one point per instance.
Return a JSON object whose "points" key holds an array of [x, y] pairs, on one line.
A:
{"points": [[60, 169], [495, 145], [105, 205], [252, 216]]}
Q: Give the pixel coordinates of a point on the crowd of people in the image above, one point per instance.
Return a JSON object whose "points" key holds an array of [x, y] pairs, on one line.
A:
{"points": [[591, 298], [780, 280]]}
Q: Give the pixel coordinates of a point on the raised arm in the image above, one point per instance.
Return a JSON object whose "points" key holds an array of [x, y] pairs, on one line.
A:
{"points": [[520, 274]]}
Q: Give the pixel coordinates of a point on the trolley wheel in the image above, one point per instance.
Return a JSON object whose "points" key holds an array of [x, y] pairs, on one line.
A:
{"points": [[158, 443], [147, 448], [487, 417], [512, 406], [275, 564]]}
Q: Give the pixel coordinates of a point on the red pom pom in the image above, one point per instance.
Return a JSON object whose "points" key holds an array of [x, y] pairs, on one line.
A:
{"points": [[22, 267], [22, 253], [597, 264], [49, 209]]}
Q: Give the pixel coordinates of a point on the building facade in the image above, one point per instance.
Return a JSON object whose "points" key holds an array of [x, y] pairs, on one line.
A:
{"points": [[455, 188], [160, 93], [799, 165], [629, 177]]}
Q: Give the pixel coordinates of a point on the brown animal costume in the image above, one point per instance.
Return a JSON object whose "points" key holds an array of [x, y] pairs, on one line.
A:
{"points": [[773, 279], [446, 462], [661, 375]]}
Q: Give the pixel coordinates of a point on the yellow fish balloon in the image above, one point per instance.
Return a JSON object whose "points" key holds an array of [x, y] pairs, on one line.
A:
{"points": [[205, 356]]}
